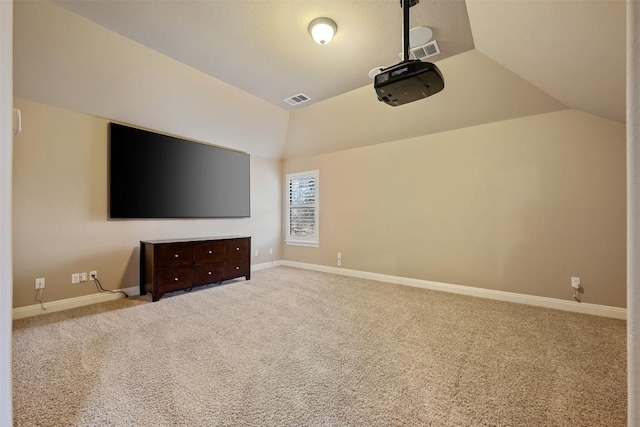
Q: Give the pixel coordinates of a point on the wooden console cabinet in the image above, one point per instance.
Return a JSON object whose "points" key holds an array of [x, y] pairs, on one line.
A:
{"points": [[173, 265]]}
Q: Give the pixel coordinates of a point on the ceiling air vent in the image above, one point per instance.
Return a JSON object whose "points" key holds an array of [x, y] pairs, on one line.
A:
{"points": [[297, 99], [424, 51]]}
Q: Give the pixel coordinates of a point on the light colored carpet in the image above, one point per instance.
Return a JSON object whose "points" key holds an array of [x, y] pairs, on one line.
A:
{"points": [[300, 348]]}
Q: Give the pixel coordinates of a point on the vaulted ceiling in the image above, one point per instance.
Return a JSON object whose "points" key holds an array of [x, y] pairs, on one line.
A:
{"points": [[224, 67], [575, 50], [264, 47], [572, 50]]}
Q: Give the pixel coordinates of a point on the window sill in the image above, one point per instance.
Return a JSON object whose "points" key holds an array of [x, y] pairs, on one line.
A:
{"points": [[297, 243]]}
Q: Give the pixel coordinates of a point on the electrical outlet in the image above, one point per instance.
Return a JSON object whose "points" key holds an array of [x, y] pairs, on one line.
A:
{"points": [[75, 278], [93, 275], [575, 282], [256, 252], [339, 263], [339, 255], [271, 251], [40, 283], [83, 277]]}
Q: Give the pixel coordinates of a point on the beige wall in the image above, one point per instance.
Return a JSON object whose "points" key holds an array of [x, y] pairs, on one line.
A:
{"points": [[633, 213], [496, 198], [60, 222], [92, 75], [6, 99], [519, 205]]}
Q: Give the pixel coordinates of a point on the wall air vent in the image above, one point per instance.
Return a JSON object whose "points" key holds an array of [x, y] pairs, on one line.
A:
{"points": [[424, 51], [297, 99]]}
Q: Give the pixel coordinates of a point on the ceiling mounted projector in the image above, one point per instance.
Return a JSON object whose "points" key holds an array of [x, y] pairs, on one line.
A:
{"points": [[410, 80]]}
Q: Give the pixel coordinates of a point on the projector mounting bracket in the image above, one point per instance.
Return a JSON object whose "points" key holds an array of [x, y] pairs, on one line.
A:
{"points": [[406, 5]]}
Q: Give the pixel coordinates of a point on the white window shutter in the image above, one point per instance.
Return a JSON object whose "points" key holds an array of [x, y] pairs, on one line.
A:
{"points": [[302, 208]]}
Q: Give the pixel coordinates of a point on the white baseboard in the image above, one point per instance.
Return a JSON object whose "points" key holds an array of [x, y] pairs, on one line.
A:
{"points": [[558, 304], [264, 265], [65, 304]]}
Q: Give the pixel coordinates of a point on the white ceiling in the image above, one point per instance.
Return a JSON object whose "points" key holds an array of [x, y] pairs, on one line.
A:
{"points": [[574, 50], [263, 46]]}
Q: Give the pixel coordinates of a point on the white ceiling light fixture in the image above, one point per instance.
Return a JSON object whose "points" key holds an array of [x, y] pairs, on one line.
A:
{"points": [[322, 30]]}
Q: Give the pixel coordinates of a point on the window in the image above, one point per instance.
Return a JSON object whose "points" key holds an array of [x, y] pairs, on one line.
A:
{"points": [[302, 209]]}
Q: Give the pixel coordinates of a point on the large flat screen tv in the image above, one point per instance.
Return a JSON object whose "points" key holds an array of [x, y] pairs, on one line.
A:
{"points": [[159, 176]]}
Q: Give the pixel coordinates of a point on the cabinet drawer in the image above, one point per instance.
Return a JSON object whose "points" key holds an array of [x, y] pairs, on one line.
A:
{"points": [[175, 279], [208, 273], [233, 269], [208, 252], [175, 255], [236, 249]]}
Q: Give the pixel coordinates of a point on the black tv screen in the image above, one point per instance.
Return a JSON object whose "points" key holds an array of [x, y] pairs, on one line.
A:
{"points": [[159, 176]]}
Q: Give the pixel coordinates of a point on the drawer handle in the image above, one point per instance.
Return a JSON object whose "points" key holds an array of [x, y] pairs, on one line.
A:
{"points": [[176, 279], [237, 268], [209, 273], [237, 249], [176, 255], [210, 252]]}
